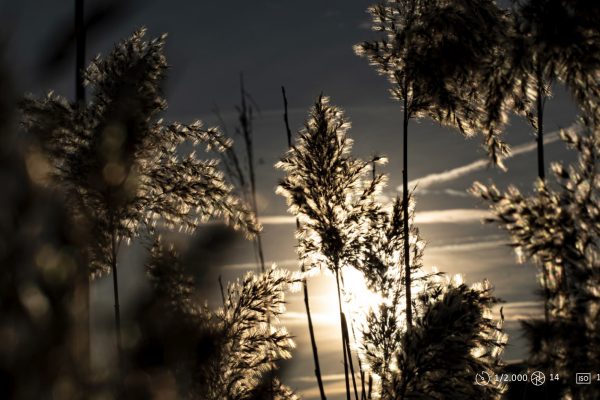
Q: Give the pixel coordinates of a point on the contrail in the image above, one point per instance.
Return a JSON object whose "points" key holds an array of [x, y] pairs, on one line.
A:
{"points": [[455, 173], [448, 216]]}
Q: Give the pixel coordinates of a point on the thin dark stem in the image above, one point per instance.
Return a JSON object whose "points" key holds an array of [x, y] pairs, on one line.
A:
{"points": [[373, 170], [542, 176], [405, 206], [231, 161], [540, 130], [360, 370], [222, 290], [80, 52], [311, 330], [288, 131], [83, 281], [337, 281], [370, 391], [313, 341], [245, 122], [346, 339], [246, 125], [113, 266]]}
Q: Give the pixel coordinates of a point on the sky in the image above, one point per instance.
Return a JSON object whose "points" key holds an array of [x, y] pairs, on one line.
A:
{"points": [[306, 46]]}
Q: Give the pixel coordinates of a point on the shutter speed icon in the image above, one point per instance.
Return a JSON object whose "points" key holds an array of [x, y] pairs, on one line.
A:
{"points": [[482, 378]]}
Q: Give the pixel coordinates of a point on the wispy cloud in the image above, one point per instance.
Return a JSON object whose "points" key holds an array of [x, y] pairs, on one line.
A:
{"points": [[253, 264], [455, 215], [519, 310], [447, 192], [458, 172], [277, 220], [469, 246], [325, 378], [451, 216], [294, 318]]}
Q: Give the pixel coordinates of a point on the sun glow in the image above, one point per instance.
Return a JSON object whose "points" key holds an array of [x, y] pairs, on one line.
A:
{"points": [[357, 299]]}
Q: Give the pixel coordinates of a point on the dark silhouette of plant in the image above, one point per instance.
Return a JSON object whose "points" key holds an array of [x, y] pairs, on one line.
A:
{"points": [[121, 165], [80, 39], [454, 336], [79, 52], [452, 340], [223, 354], [311, 331], [558, 228], [548, 41], [553, 40], [238, 161], [240, 169], [436, 54], [246, 119], [325, 188]]}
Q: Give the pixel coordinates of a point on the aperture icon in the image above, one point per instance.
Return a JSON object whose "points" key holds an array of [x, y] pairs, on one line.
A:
{"points": [[538, 378]]}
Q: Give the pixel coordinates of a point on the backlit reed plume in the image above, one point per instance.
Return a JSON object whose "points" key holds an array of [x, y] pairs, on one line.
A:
{"points": [[436, 55], [222, 354], [327, 191], [121, 165]]}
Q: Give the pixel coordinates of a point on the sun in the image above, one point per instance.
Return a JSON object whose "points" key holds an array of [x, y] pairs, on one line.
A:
{"points": [[358, 298], [357, 301]]}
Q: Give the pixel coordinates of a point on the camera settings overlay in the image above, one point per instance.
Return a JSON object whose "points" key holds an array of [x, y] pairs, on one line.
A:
{"points": [[536, 378]]}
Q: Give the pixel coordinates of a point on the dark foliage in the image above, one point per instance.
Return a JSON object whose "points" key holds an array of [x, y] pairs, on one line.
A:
{"points": [[438, 55], [206, 354], [555, 40], [121, 165], [558, 228], [453, 339]]}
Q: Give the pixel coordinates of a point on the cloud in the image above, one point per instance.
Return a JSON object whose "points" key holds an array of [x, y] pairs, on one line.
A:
{"points": [[519, 310], [277, 220], [452, 216], [447, 192], [458, 172], [365, 25], [448, 175], [470, 246], [456, 215], [295, 318], [325, 378], [254, 264]]}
